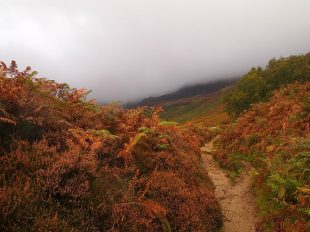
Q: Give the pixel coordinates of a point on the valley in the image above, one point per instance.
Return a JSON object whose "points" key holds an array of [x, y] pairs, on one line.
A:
{"points": [[235, 158], [155, 116]]}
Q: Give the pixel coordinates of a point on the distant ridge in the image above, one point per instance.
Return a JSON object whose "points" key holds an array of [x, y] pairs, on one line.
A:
{"points": [[185, 92]]}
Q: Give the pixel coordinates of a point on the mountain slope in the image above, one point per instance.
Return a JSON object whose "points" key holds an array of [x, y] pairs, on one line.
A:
{"points": [[67, 164], [199, 104], [185, 92], [204, 110], [274, 137]]}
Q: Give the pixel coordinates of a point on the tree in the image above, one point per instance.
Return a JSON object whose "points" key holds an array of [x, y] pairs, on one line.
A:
{"points": [[250, 89], [258, 84]]}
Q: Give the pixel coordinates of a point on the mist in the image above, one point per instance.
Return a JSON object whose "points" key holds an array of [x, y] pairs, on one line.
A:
{"points": [[125, 50]]}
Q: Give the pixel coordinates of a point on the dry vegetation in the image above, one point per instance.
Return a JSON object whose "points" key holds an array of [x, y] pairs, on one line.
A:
{"points": [[68, 164], [271, 109], [274, 137]]}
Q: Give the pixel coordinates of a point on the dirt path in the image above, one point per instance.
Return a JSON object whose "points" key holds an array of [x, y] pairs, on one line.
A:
{"points": [[237, 201]]}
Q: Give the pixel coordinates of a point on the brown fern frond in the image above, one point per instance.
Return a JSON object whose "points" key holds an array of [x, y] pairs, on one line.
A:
{"points": [[7, 120], [70, 144], [4, 113], [65, 123], [154, 207], [13, 68], [38, 109], [3, 65]]}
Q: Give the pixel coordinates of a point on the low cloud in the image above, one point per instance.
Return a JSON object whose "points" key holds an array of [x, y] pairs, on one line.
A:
{"points": [[125, 50]]}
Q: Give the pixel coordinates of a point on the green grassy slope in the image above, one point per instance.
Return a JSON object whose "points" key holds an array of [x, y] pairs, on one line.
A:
{"points": [[200, 110]]}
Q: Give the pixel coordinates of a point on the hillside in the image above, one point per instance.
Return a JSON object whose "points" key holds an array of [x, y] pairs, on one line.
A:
{"points": [[263, 121], [67, 164], [208, 105], [200, 104], [274, 137], [269, 130], [204, 111], [259, 83], [185, 93]]}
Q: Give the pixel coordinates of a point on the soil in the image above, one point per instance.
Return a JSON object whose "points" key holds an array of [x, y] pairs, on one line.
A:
{"points": [[236, 200]]}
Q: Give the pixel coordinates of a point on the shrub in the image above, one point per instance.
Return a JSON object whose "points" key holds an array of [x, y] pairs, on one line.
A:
{"points": [[274, 137], [71, 165]]}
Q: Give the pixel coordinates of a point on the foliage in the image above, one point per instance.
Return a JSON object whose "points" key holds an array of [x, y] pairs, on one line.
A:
{"points": [[274, 137], [68, 164], [257, 85], [202, 111]]}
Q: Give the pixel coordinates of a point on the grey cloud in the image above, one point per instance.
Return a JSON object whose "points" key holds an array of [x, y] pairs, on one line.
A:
{"points": [[127, 49]]}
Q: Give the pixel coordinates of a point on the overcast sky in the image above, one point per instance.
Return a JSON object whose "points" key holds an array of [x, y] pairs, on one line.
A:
{"points": [[127, 49]]}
